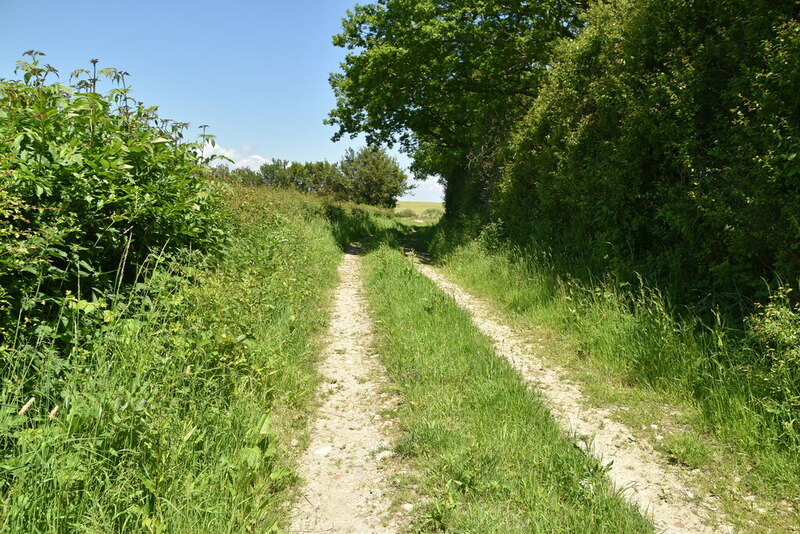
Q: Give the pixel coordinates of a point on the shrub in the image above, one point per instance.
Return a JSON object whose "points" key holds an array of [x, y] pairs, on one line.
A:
{"points": [[664, 142], [774, 333], [90, 186]]}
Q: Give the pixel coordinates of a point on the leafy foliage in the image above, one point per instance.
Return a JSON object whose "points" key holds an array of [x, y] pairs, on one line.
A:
{"points": [[662, 143], [642, 137], [371, 176], [775, 333], [90, 186], [367, 176], [440, 77]]}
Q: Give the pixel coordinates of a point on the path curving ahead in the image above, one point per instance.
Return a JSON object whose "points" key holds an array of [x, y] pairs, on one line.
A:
{"points": [[345, 479]]}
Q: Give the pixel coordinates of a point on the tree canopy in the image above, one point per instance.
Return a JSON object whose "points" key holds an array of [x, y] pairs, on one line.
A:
{"points": [[437, 76], [654, 137]]}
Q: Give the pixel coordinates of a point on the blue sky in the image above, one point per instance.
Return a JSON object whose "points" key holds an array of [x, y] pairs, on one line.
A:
{"points": [[256, 72]]}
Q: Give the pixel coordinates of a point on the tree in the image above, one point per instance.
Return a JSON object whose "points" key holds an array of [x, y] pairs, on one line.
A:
{"points": [[275, 174], [371, 176], [319, 177], [245, 176], [443, 78]]}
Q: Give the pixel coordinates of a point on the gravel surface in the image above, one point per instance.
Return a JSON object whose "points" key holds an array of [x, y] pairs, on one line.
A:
{"points": [[345, 468], [644, 475]]}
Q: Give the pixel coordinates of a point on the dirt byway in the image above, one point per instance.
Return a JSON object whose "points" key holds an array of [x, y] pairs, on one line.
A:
{"points": [[344, 480], [345, 473], [649, 483]]}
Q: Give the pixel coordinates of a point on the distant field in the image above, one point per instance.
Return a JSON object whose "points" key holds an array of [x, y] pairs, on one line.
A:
{"points": [[428, 212]]}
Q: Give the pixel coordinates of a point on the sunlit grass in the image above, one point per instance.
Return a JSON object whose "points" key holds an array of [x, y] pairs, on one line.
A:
{"points": [[419, 212], [490, 457], [176, 415], [688, 389]]}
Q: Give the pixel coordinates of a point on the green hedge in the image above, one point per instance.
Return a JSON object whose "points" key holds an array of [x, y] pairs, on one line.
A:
{"points": [[665, 142], [90, 186]]}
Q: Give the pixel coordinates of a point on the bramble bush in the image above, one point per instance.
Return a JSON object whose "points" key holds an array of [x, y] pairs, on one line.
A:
{"points": [[90, 186]]}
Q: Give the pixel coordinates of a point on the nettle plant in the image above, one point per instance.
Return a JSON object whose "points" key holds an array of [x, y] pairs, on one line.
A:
{"points": [[91, 185]]}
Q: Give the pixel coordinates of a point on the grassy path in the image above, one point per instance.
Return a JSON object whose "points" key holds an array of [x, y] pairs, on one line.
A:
{"points": [[345, 466], [674, 383], [487, 454], [648, 482]]}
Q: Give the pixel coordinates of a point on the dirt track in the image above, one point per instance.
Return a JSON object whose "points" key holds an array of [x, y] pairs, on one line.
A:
{"points": [[344, 468], [648, 481]]}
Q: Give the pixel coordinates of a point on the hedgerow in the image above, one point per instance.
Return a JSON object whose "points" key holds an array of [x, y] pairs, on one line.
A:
{"points": [[90, 186]]}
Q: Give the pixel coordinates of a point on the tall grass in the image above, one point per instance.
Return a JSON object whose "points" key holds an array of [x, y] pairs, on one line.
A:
{"points": [[742, 383], [175, 409], [350, 222], [490, 456]]}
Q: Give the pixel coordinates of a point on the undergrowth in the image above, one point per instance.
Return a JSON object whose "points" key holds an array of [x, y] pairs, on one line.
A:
{"points": [[173, 410]]}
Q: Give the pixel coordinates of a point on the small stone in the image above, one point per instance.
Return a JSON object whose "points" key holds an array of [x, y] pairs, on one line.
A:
{"points": [[726, 529], [408, 507], [324, 451], [654, 427], [381, 456], [294, 443], [659, 437], [690, 494]]}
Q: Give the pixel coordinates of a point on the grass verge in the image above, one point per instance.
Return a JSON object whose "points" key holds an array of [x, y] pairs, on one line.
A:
{"points": [[489, 455], [693, 393], [175, 415]]}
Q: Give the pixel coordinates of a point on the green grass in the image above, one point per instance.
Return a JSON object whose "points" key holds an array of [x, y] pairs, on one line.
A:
{"points": [[175, 415], [489, 456], [351, 222], [419, 212], [693, 392]]}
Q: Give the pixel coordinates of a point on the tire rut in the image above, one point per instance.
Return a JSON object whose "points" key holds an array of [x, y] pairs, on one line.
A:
{"points": [[633, 466], [345, 469]]}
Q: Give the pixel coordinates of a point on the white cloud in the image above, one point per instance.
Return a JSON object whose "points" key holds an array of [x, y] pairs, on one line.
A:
{"points": [[240, 157], [253, 161]]}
